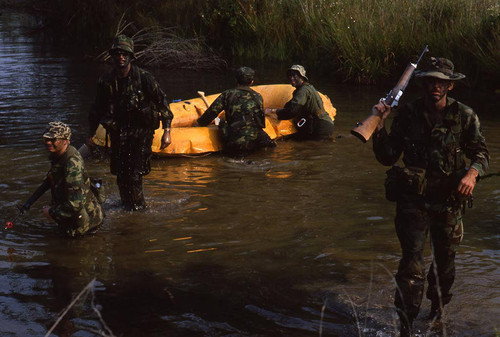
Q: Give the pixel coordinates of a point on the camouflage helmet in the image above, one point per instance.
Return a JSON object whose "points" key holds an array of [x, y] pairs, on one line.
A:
{"points": [[57, 130], [123, 42], [244, 75], [298, 68], [442, 68]]}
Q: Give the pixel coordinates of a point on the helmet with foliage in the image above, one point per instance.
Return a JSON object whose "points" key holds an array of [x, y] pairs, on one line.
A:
{"points": [[123, 42]]}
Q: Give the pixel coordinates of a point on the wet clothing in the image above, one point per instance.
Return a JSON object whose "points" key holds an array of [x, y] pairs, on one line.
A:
{"points": [[244, 114], [74, 206], [438, 153], [130, 109], [308, 114]]}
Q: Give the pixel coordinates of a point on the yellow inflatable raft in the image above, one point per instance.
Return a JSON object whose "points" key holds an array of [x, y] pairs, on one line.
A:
{"points": [[189, 140]]}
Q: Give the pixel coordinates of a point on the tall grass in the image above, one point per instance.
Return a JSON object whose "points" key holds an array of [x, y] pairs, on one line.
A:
{"points": [[363, 40], [367, 39]]}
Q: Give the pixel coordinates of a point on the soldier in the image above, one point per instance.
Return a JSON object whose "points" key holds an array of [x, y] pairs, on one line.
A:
{"points": [[305, 108], [435, 134], [244, 112], [130, 104], [74, 206]]}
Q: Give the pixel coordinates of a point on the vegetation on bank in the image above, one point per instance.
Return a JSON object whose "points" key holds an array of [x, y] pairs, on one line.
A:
{"points": [[362, 40]]}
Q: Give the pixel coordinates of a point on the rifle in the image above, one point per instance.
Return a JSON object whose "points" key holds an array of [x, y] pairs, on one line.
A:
{"points": [[365, 129], [26, 206]]}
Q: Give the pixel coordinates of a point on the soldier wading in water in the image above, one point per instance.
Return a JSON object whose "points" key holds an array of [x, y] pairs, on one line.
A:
{"points": [[130, 104], [435, 134], [74, 206], [244, 113]]}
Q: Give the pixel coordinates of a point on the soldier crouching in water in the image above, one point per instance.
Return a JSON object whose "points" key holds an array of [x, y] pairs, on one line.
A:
{"points": [[244, 113], [435, 134], [130, 104], [74, 206]]}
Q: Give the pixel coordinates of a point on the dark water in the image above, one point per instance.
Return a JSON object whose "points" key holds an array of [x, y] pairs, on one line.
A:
{"points": [[297, 241]]}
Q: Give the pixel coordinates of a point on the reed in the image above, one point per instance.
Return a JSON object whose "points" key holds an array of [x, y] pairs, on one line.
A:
{"points": [[363, 40], [367, 40]]}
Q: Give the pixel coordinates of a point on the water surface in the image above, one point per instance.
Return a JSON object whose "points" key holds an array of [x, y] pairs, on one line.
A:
{"points": [[294, 241]]}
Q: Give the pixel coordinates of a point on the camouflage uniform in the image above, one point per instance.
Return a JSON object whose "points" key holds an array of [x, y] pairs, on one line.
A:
{"points": [[244, 111], [440, 150], [74, 206], [130, 109], [306, 109]]}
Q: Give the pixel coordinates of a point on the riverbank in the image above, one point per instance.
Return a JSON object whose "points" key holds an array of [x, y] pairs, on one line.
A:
{"points": [[357, 41]]}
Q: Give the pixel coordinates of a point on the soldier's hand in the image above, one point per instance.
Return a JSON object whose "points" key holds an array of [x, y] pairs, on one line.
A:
{"points": [[90, 142], [269, 111], [381, 109], [165, 139], [467, 183], [45, 211]]}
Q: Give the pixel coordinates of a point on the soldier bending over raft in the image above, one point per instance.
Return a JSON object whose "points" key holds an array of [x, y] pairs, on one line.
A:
{"points": [[244, 112], [435, 134], [305, 108], [74, 206], [130, 104]]}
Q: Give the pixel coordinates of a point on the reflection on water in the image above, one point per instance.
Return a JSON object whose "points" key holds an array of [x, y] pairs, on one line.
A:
{"points": [[288, 242]]}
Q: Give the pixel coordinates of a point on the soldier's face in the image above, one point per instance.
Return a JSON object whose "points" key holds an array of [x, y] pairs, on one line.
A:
{"points": [[121, 58], [437, 89], [295, 79], [56, 145]]}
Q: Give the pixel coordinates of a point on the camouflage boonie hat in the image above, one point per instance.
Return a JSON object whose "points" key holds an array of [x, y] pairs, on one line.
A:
{"points": [[57, 130], [123, 42], [442, 68], [245, 75], [298, 68]]}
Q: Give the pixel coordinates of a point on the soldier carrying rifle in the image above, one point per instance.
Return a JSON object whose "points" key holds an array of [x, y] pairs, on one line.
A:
{"points": [[75, 206], [435, 134]]}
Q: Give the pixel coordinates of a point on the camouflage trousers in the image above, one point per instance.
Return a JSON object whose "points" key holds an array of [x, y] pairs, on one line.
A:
{"points": [[88, 219], [414, 220], [319, 130], [131, 192], [241, 147], [130, 160]]}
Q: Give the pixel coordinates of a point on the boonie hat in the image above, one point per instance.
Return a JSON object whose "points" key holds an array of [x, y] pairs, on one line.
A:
{"points": [[440, 67], [300, 69], [245, 74], [57, 130], [123, 42]]}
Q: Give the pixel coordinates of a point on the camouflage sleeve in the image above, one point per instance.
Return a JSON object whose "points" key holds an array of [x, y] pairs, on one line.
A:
{"points": [[475, 145], [159, 99], [213, 110], [100, 106], [388, 147], [74, 190], [294, 107]]}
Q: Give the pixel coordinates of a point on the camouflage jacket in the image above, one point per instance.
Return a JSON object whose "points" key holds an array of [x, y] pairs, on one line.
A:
{"points": [[305, 102], [440, 149], [244, 111], [74, 206], [134, 104]]}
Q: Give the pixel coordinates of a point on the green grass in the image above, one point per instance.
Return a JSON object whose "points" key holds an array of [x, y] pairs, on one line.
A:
{"points": [[361, 40]]}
